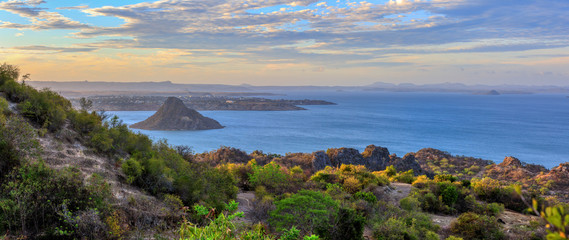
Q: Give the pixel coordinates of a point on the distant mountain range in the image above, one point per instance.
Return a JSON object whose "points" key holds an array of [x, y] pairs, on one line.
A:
{"points": [[101, 88]]}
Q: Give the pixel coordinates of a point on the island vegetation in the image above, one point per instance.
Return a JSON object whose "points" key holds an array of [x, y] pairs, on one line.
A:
{"points": [[197, 101], [69, 173]]}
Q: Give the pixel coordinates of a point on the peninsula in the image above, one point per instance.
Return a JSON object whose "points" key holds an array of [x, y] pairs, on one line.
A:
{"points": [[198, 102]]}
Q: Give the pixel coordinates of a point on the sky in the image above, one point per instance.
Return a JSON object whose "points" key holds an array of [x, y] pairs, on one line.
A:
{"points": [[289, 42]]}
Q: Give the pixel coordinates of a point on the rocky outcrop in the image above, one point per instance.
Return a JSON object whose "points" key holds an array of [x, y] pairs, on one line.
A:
{"points": [[320, 160], [511, 162], [514, 170], [174, 115], [376, 158], [435, 161], [224, 155], [408, 162], [339, 156], [373, 158], [560, 177]]}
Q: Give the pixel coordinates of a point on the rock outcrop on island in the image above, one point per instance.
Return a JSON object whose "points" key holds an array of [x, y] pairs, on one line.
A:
{"points": [[174, 115]]}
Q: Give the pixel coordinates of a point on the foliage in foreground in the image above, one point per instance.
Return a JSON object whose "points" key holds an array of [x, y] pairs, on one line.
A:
{"points": [[223, 227]]}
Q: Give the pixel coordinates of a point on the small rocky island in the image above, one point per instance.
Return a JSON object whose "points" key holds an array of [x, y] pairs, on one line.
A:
{"points": [[489, 93], [174, 115]]}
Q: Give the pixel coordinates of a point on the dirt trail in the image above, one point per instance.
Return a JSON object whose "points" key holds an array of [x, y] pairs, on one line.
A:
{"points": [[398, 191], [245, 200]]}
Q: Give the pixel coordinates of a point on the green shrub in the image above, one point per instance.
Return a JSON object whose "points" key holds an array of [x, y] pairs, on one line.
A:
{"points": [[474, 226], [353, 178], [291, 234], [327, 175], [220, 227], [46, 108], [272, 176], [18, 144], [367, 196], [486, 188], [405, 177], [445, 178], [431, 203], [84, 122], [38, 199], [390, 171], [454, 238], [317, 212], [430, 235], [163, 171], [449, 193], [347, 224], [133, 170], [490, 190], [395, 229], [391, 222], [306, 210], [4, 106], [410, 204]]}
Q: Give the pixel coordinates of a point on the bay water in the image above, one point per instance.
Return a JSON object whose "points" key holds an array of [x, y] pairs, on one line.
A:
{"points": [[531, 127]]}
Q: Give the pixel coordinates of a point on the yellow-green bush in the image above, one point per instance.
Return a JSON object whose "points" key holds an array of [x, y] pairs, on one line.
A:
{"points": [[474, 226], [353, 178]]}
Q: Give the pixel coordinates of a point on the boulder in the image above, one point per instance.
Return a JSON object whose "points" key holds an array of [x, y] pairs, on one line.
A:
{"points": [[376, 158], [339, 156], [408, 162]]}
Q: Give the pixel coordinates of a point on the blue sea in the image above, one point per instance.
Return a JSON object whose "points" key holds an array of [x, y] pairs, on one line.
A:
{"points": [[533, 127]]}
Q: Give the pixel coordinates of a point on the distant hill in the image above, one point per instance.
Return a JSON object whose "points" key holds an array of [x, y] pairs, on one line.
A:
{"points": [[145, 88], [174, 115]]}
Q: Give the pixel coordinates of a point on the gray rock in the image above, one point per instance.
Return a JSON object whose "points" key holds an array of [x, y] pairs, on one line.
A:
{"points": [[376, 158], [320, 160], [407, 163], [339, 156]]}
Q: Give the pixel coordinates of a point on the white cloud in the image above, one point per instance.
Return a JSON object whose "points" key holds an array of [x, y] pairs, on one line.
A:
{"points": [[38, 17], [271, 30]]}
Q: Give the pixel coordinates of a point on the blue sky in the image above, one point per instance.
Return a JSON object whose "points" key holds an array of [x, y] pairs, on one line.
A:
{"points": [[286, 42]]}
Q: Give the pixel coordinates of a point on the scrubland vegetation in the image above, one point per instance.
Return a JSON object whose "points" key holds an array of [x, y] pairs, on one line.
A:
{"points": [[197, 192]]}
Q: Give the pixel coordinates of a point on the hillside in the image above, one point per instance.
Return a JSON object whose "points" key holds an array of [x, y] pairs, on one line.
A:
{"points": [[80, 174]]}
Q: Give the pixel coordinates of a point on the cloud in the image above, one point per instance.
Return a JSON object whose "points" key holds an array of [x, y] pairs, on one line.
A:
{"points": [[308, 34], [54, 49], [216, 23], [39, 18], [74, 7]]}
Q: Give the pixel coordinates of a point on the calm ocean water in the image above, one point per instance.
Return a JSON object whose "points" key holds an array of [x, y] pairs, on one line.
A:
{"points": [[533, 128]]}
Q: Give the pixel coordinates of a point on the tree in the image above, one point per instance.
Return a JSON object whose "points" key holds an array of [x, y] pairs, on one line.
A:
{"points": [[307, 210], [8, 72], [86, 104]]}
